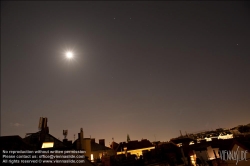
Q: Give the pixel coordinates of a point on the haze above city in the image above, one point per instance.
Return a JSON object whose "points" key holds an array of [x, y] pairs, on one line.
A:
{"points": [[147, 69]]}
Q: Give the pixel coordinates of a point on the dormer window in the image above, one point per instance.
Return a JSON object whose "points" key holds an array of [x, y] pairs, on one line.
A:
{"points": [[48, 145]]}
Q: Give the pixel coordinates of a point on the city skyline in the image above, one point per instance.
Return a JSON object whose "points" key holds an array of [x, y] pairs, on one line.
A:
{"points": [[147, 69]]}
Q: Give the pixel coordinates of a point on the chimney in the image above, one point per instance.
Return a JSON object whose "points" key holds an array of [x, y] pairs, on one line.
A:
{"points": [[81, 132], [80, 139], [43, 125], [80, 135], [102, 142]]}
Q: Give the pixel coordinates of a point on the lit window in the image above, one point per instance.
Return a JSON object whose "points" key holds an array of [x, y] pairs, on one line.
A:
{"points": [[92, 157], [48, 145], [100, 155], [180, 144], [191, 143], [193, 159]]}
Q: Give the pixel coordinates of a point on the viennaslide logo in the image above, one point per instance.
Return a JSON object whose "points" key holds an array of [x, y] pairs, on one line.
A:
{"points": [[235, 155]]}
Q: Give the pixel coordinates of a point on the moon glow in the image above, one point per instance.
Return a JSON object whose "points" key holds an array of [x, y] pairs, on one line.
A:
{"points": [[69, 55]]}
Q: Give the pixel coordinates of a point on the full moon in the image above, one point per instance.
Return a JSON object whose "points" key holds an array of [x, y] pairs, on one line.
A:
{"points": [[69, 55]]}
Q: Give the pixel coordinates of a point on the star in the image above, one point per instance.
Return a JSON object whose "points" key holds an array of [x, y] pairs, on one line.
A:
{"points": [[114, 18], [237, 44]]}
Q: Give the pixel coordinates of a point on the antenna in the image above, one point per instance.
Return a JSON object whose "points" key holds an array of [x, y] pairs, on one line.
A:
{"points": [[180, 133], [65, 133]]}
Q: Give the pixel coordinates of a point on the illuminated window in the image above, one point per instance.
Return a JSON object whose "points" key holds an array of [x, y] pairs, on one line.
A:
{"points": [[92, 157], [100, 155], [48, 145], [193, 158], [180, 144], [191, 143]]}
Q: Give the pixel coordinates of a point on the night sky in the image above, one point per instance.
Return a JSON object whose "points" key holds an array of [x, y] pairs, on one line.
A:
{"points": [[147, 69]]}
